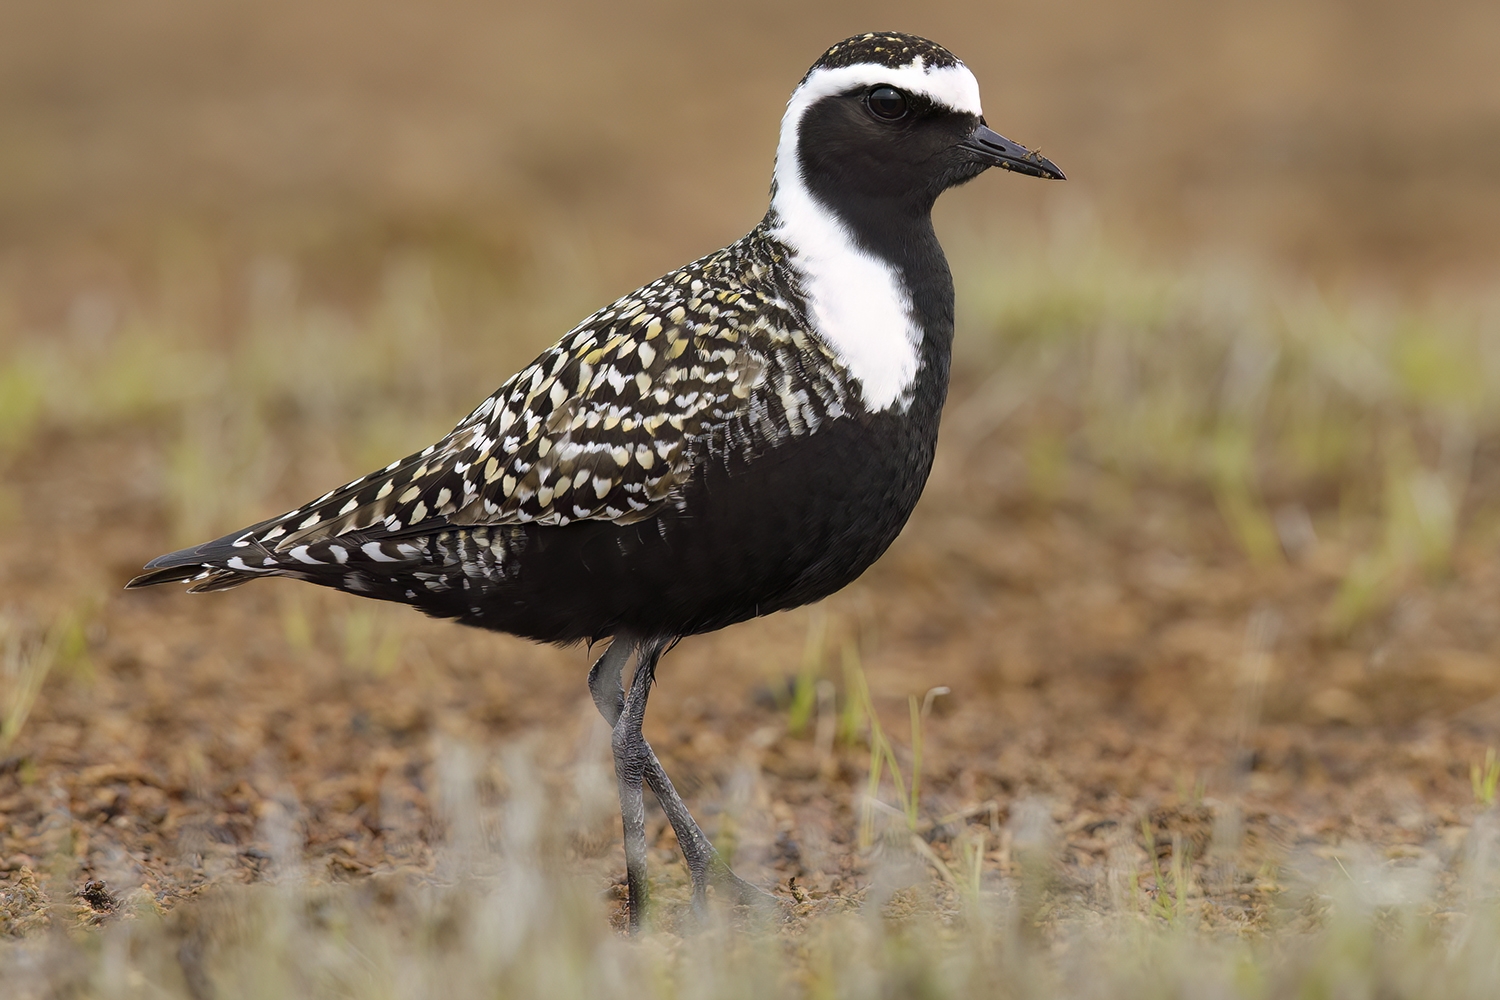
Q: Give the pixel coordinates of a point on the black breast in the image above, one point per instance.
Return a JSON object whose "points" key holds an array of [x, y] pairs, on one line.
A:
{"points": [[756, 530], [787, 527]]}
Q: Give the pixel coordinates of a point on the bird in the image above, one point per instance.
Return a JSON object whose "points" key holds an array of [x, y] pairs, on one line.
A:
{"points": [[744, 435]]}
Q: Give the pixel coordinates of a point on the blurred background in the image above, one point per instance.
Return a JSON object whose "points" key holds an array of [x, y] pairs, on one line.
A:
{"points": [[1208, 566], [1337, 139]]}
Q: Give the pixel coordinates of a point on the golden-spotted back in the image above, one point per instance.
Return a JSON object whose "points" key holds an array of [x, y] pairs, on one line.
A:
{"points": [[746, 433], [607, 424]]}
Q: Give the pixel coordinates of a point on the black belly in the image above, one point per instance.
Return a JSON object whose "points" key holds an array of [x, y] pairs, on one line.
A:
{"points": [[787, 527]]}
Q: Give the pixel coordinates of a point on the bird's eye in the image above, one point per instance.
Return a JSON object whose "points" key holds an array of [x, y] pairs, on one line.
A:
{"points": [[887, 103]]}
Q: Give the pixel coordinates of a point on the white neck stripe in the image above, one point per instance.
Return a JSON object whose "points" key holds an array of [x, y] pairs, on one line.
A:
{"points": [[858, 304]]}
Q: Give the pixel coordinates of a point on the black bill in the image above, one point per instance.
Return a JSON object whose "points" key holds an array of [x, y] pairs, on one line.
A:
{"points": [[994, 149]]}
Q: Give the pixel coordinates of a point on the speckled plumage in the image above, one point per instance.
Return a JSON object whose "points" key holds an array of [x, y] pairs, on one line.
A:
{"points": [[607, 422], [745, 434], [710, 362], [892, 49]]}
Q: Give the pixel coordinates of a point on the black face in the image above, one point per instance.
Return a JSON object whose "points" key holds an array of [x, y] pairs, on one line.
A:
{"points": [[881, 143]]}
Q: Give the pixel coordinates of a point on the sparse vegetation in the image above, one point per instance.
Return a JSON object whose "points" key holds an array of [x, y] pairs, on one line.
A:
{"points": [[1485, 778], [505, 919], [1332, 454], [25, 661], [1206, 565], [1253, 393]]}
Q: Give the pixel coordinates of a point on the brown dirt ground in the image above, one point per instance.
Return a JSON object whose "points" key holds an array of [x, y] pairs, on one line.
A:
{"points": [[1095, 646], [1095, 642]]}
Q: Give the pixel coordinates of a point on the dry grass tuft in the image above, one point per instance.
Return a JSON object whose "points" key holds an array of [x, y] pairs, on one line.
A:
{"points": [[1172, 686], [504, 918]]}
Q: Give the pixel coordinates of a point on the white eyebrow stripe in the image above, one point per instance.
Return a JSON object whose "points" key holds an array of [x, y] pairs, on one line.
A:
{"points": [[950, 86]]}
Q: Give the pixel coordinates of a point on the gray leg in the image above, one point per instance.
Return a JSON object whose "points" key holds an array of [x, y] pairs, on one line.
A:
{"points": [[631, 756], [605, 679], [705, 866], [704, 863]]}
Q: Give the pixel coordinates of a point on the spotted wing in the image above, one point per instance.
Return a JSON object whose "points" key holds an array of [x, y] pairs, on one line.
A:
{"points": [[607, 424]]}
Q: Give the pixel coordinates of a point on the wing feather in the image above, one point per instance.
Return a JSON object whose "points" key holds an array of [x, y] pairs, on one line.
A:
{"points": [[607, 424]]}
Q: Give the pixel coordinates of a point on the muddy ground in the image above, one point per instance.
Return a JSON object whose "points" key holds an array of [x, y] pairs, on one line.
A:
{"points": [[1125, 685], [1114, 664]]}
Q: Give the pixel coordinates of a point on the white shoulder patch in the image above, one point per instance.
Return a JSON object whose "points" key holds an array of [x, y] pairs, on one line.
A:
{"points": [[859, 303]]}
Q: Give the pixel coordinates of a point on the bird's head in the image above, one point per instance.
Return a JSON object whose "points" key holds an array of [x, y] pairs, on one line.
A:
{"points": [[892, 119]]}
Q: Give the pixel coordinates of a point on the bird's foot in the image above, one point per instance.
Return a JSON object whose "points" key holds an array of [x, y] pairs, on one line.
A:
{"points": [[738, 891], [745, 897]]}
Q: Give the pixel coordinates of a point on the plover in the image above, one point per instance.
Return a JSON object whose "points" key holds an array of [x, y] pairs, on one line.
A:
{"points": [[745, 434]]}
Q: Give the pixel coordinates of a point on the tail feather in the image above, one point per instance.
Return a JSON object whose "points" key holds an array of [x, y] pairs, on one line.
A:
{"points": [[203, 578], [205, 565], [169, 574], [353, 562], [221, 579]]}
